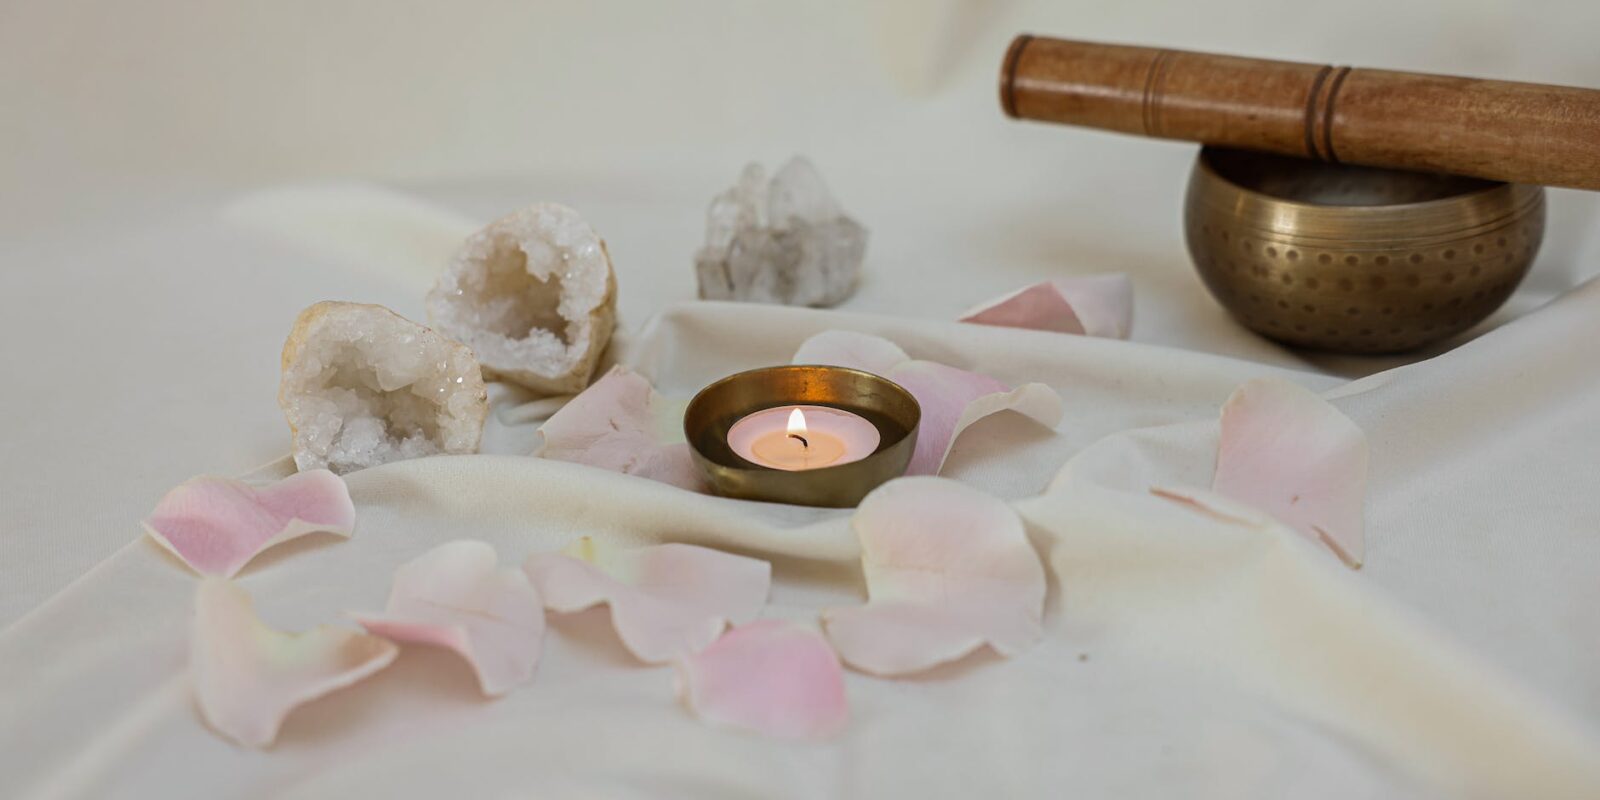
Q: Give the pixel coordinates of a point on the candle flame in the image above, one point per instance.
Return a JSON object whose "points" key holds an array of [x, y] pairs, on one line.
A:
{"points": [[797, 423]]}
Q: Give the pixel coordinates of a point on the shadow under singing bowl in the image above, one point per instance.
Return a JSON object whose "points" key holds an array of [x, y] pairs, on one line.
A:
{"points": [[1356, 259]]}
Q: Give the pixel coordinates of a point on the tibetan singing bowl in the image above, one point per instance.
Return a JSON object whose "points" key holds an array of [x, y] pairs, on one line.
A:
{"points": [[890, 409], [1356, 259]]}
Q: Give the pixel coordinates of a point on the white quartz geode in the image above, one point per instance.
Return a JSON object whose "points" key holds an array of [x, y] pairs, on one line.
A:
{"points": [[784, 241], [364, 386], [534, 296]]}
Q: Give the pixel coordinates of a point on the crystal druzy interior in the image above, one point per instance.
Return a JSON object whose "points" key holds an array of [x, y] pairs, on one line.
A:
{"points": [[533, 295], [364, 386], [509, 301]]}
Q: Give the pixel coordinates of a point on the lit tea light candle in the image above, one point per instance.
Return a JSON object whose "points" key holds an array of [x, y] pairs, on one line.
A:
{"points": [[853, 432], [803, 437]]}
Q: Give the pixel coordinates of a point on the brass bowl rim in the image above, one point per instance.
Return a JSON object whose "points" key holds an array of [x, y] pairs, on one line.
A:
{"points": [[1207, 152], [749, 466], [1380, 226]]}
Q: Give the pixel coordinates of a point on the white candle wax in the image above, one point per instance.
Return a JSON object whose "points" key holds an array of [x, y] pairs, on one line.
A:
{"points": [[803, 437]]}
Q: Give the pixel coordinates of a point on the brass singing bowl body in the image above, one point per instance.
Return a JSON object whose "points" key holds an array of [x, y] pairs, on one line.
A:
{"points": [[1356, 259], [712, 412]]}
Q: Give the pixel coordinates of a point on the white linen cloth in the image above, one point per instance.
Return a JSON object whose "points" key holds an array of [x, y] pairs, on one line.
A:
{"points": [[1179, 654], [141, 337]]}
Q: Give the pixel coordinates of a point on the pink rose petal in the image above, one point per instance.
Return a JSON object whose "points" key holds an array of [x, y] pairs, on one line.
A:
{"points": [[948, 570], [620, 423], [666, 601], [1093, 305], [247, 677], [770, 676], [862, 351], [1293, 455], [1213, 505], [951, 399], [217, 525], [455, 596]]}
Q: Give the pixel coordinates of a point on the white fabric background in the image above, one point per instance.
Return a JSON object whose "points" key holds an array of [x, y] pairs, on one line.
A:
{"points": [[148, 284]]}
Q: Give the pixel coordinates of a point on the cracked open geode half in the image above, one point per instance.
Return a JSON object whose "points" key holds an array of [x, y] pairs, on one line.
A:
{"points": [[533, 295], [364, 386]]}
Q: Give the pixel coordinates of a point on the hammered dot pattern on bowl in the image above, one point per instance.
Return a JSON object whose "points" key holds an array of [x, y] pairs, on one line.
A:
{"points": [[1354, 259]]}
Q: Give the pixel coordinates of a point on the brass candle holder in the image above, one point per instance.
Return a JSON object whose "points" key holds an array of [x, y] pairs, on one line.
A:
{"points": [[890, 408]]}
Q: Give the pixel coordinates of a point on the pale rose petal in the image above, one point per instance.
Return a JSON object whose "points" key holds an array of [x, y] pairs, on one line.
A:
{"points": [[1213, 505], [620, 423], [861, 351], [1291, 454], [1104, 303], [951, 399], [217, 525], [770, 676], [1093, 305], [1039, 306], [666, 601], [247, 677], [948, 569], [456, 596]]}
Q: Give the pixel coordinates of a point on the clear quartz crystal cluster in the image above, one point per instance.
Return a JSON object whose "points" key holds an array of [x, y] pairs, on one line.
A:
{"points": [[364, 386], [780, 241], [534, 296]]}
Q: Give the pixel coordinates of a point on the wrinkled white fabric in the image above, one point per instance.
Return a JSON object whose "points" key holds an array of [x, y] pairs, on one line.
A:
{"points": [[1178, 651], [1181, 658]]}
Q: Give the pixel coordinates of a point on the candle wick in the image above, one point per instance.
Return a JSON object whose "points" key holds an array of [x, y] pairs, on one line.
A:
{"points": [[803, 442]]}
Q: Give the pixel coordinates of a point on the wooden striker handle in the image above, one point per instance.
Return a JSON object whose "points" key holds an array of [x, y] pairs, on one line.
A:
{"points": [[1500, 130]]}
